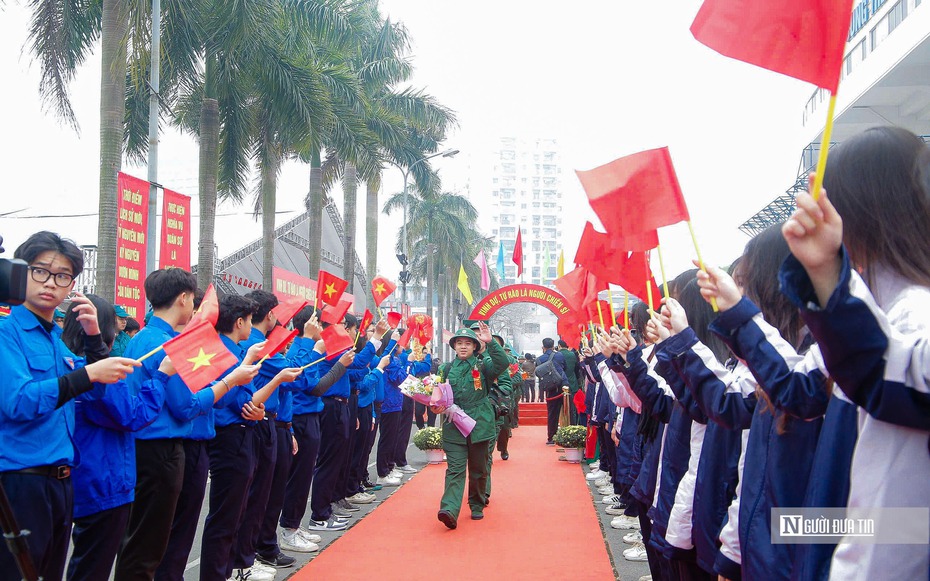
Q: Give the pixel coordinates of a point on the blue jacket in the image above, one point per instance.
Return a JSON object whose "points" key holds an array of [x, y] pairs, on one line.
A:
{"points": [[104, 422], [297, 356], [229, 407], [369, 386], [34, 430], [395, 373], [293, 402], [181, 406]]}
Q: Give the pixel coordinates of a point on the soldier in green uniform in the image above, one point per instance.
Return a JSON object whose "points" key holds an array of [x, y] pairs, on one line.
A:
{"points": [[470, 379], [571, 370]]}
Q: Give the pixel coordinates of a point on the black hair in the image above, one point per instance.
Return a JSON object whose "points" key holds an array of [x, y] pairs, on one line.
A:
{"points": [[676, 284], [757, 272], [548, 343], [232, 308], [132, 325], [72, 333], [351, 321], [301, 318], [198, 297], [879, 183], [264, 301], [49, 241], [163, 286], [700, 315], [639, 316], [563, 344]]}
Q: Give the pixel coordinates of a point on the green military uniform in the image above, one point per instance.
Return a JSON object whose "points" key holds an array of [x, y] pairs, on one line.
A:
{"points": [[571, 370], [119, 344], [473, 450], [504, 388]]}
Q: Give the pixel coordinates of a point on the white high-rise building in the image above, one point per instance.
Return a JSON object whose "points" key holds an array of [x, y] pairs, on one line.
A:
{"points": [[526, 192]]}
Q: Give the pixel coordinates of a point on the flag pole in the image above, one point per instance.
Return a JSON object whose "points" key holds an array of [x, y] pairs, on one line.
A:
{"points": [[613, 314], [322, 359], [649, 287], [626, 309], [824, 149], [600, 313], [150, 353], [713, 301], [662, 270]]}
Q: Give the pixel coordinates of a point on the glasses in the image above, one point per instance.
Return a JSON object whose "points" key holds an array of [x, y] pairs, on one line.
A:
{"points": [[42, 275]]}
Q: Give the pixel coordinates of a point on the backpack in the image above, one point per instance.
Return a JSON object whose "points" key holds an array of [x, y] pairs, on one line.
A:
{"points": [[549, 377]]}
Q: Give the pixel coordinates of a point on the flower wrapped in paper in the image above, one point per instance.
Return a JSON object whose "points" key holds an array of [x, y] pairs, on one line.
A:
{"points": [[417, 390], [442, 398]]}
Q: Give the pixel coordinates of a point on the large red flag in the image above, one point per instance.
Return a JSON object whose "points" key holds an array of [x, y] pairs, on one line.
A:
{"points": [[199, 355], [804, 40], [381, 288], [287, 308], [337, 341], [518, 252], [643, 185], [569, 328], [579, 287], [336, 314], [277, 340], [329, 288], [636, 271], [209, 309], [604, 256], [602, 316]]}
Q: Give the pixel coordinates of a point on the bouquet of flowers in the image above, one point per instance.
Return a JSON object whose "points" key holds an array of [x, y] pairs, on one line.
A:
{"points": [[417, 389], [443, 399]]}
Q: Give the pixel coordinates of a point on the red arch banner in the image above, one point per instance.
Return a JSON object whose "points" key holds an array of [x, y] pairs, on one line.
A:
{"points": [[520, 293]]}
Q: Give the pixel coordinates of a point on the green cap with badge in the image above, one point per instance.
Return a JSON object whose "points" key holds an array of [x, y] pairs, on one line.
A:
{"points": [[465, 334]]}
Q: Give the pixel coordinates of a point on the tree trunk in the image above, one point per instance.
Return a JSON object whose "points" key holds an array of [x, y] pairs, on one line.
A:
{"points": [[269, 187], [372, 212], [114, 31], [316, 212], [349, 199], [440, 315], [430, 260], [209, 168]]}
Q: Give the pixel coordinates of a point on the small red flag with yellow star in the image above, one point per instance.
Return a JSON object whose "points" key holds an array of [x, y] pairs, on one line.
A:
{"points": [[367, 318], [199, 355], [336, 315], [329, 288], [381, 288]]}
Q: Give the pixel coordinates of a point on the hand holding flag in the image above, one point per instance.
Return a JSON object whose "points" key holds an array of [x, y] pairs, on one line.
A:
{"points": [[277, 339], [199, 355]]}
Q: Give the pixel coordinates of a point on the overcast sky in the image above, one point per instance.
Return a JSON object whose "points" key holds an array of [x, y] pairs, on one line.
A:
{"points": [[605, 78]]}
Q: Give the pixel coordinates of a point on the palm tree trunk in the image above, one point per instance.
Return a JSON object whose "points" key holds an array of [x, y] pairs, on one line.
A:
{"points": [[349, 198], [440, 307], [371, 226], [315, 207], [269, 184], [209, 168], [114, 29], [430, 259]]}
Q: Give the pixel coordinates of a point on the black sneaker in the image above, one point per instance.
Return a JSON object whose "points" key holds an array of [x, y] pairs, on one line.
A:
{"points": [[446, 518], [279, 561]]}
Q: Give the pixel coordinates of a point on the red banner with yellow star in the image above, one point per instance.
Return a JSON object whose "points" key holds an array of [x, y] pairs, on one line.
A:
{"points": [[381, 288], [330, 288], [199, 355]]}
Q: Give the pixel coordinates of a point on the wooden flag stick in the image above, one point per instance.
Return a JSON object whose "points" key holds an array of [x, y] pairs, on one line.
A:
{"points": [[649, 287], [662, 270], [322, 359], [626, 309], [713, 301], [613, 315], [600, 313], [150, 353], [824, 149]]}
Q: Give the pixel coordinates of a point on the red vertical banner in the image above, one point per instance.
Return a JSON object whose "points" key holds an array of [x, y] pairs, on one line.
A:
{"points": [[132, 203], [175, 249]]}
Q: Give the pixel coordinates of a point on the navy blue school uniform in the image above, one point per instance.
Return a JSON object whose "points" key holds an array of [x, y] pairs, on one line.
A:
{"points": [[159, 457], [104, 482], [37, 451], [361, 448], [405, 425], [357, 371]]}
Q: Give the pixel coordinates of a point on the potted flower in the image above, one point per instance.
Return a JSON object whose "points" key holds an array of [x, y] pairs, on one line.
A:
{"points": [[572, 438], [430, 441]]}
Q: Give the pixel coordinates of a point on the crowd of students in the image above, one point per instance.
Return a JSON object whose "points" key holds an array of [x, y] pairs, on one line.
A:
{"points": [[810, 387], [120, 448]]}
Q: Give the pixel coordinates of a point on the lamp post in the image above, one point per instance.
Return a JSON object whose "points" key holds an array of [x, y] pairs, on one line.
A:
{"points": [[404, 258]]}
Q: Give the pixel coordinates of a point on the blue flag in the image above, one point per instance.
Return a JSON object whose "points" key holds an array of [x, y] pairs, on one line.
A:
{"points": [[500, 261]]}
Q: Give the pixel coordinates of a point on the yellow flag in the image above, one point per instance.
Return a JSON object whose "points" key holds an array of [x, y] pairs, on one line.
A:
{"points": [[463, 284], [560, 268]]}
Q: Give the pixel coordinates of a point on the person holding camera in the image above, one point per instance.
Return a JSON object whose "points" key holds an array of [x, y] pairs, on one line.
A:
{"points": [[41, 378]]}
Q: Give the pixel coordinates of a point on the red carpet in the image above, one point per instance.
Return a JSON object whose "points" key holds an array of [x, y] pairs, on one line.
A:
{"points": [[532, 414], [540, 525]]}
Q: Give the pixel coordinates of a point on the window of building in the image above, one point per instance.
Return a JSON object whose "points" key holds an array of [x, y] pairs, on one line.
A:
{"points": [[509, 168], [508, 233], [535, 204], [536, 246], [531, 328], [507, 155], [548, 220], [508, 204], [535, 272], [536, 220], [896, 15], [522, 206]]}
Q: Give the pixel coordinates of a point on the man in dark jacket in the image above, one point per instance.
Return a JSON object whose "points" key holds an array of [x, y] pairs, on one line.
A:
{"points": [[554, 393], [573, 372]]}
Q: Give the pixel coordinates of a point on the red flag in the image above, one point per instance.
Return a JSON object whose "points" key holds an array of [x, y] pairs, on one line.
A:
{"points": [[209, 309], [598, 253], [600, 317], [277, 340], [579, 287], [199, 355], [404, 340], [518, 252], [367, 318], [569, 328], [336, 340], [329, 288], [381, 288], [287, 308], [636, 270], [337, 314], [422, 326], [643, 185], [804, 40], [394, 319]]}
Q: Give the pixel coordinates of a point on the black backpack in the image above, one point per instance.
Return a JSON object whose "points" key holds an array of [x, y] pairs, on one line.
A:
{"points": [[549, 377]]}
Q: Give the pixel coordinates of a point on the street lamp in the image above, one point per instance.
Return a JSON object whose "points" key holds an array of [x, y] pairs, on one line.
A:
{"points": [[406, 255]]}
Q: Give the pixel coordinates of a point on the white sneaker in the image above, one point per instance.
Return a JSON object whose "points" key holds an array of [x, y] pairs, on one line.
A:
{"points": [[633, 538], [408, 469], [328, 526], [612, 499], [624, 522], [313, 538], [594, 474], [607, 489], [646, 578], [292, 540], [615, 509], [396, 473], [362, 498], [388, 481], [252, 574], [602, 481], [635, 553], [259, 566]]}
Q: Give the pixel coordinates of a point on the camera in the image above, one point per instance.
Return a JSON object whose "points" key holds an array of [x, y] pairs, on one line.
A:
{"points": [[13, 274]]}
